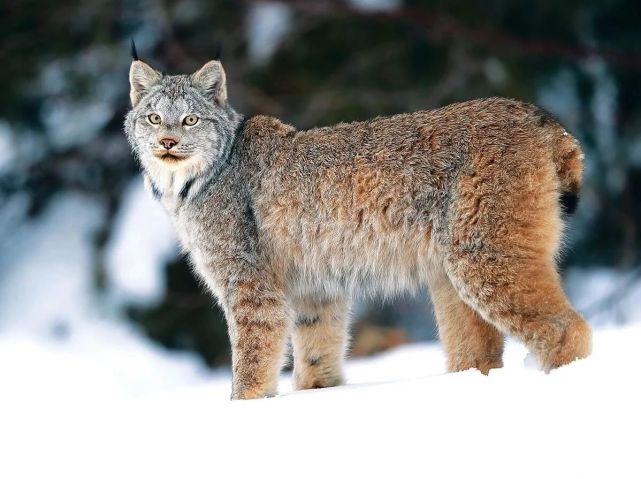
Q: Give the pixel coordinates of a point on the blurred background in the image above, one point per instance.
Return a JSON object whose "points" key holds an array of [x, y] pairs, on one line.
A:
{"points": [[89, 265]]}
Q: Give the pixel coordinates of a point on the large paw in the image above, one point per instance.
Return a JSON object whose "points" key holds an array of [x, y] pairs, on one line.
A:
{"points": [[252, 393], [575, 343], [315, 376]]}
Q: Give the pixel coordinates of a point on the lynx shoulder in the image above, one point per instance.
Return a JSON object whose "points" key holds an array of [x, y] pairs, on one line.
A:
{"points": [[286, 227]]}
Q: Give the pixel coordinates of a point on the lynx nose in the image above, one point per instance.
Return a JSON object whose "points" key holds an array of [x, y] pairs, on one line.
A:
{"points": [[168, 143]]}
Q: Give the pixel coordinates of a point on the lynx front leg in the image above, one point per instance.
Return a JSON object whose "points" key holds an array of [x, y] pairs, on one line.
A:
{"points": [[258, 327], [319, 340]]}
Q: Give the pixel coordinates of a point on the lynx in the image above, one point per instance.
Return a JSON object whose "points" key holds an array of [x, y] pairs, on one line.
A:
{"points": [[286, 227]]}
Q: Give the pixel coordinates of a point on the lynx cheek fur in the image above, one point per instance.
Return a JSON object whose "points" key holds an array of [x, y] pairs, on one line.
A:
{"points": [[285, 227]]}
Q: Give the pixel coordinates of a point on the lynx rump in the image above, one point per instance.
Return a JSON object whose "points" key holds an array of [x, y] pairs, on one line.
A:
{"points": [[285, 227]]}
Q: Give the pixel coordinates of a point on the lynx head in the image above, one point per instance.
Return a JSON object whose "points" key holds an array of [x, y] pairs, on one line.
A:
{"points": [[179, 122]]}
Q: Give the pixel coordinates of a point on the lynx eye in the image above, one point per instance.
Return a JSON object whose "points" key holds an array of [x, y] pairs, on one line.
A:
{"points": [[154, 118], [190, 120]]}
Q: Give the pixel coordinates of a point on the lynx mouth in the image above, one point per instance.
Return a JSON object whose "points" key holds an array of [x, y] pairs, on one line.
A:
{"points": [[170, 157]]}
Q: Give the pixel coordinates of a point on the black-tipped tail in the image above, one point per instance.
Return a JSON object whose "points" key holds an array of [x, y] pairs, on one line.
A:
{"points": [[134, 53], [569, 202]]}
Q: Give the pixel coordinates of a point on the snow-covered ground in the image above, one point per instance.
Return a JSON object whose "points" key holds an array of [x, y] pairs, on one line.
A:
{"points": [[84, 395], [139, 413]]}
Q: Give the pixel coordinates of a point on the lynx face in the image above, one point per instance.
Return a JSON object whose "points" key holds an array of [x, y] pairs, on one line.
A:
{"points": [[179, 122]]}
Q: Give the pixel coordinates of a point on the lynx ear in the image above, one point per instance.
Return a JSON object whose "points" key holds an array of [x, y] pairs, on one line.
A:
{"points": [[211, 79], [141, 78]]}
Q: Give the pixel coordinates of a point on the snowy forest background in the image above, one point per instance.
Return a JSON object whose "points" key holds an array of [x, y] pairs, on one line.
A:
{"points": [[88, 261]]}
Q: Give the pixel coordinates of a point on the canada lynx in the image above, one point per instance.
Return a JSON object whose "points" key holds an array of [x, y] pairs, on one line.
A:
{"points": [[285, 226]]}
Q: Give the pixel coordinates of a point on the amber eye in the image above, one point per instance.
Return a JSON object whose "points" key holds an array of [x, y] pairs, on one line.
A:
{"points": [[154, 118], [190, 120]]}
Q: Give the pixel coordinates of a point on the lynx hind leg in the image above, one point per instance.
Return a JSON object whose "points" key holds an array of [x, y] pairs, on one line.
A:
{"points": [[319, 341], [501, 259], [527, 302], [468, 340]]}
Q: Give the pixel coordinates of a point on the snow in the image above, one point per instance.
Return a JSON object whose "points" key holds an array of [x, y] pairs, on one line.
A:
{"points": [[268, 23], [375, 5], [50, 313], [7, 152], [142, 242], [71, 117], [46, 269], [604, 295], [83, 394], [77, 413]]}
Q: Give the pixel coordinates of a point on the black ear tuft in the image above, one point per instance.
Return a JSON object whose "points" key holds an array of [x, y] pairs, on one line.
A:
{"points": [[134, 53], [219, 52]]}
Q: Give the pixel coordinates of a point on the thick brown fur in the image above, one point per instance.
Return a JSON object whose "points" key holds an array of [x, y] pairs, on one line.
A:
{"points": [[465, 198], [290, 225], [468, 194]]}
